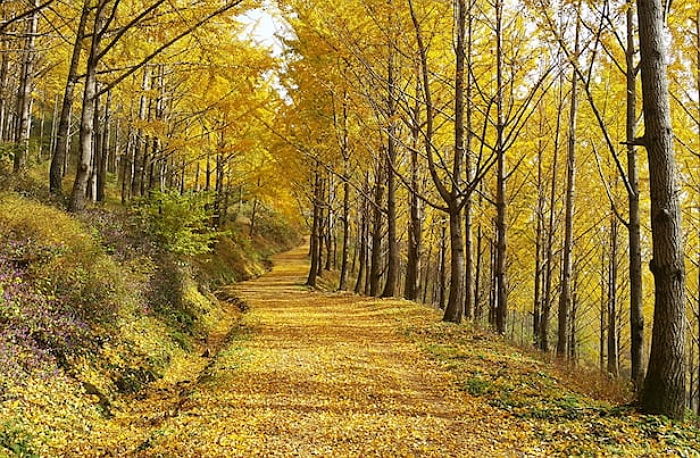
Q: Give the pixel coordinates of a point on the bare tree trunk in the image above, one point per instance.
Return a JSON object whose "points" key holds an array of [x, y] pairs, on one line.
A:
{"points": [[603, 320], [96, 177], [346, 232], [478, 302], [363, 238], [4, 87], [82, 176], [127, 167], [468, 249], [375, 271], [321, 225], [443, 263], [664, 386], [415, 224], [345, 152], [634, 225], [60, 153], [493, 295], [455, 304], [24, 100], [501, 228], [392, 236], [330, 226], [697, 82], [539, 217], [612, 301], [565, 296], [427, 270], [314, 240], [54, 127], [103, 151], [549, 247], [573, 330], [140, 143]]}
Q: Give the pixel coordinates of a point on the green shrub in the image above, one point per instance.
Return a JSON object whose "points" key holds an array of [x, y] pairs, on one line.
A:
{"points": [[179, 223], [15, 441]]}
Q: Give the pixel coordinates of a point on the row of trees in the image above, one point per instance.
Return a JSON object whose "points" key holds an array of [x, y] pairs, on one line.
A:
{"points": [[484, 156], [117, 98]]}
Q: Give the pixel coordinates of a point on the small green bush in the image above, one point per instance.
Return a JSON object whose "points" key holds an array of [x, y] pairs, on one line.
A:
{"points": [[15, 441], [179, 223]]}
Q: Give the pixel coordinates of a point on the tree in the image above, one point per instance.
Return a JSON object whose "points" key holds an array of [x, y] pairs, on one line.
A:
{"points": [[664, 385]]}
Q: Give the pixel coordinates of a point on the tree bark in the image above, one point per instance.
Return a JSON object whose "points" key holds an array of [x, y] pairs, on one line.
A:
{"points": [[311, 278], [501, 228], [415, 224], [565, 296], [468, 249], [664, 386], [634, 225], [60, 153], [24, 99], [613, 363], [392, 236], [539, 217], [375, 271], [82, 176], [443, 264], [140, 144]]}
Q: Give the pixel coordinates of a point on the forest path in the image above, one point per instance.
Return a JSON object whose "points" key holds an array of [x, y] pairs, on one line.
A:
{"points": [[321, 374]]}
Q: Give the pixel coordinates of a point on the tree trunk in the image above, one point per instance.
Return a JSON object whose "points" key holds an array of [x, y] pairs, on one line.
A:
{"points": [[87, 119], [455, 305], [613, 363], [478, 302], [321, 225], [104, 151], [603, 321], [363, 238], [140, 144], [443, 263], [539, 217], [346, 233], [330, 224], [4, 83], [415, 225], [99, 172], [127, 167], [664, 386], [24, 100], [634, 231], [501, 228], [468, 249], [375, 271], [565, 296], [392, 236], [345, 152], [311, 279], [60, 153]]}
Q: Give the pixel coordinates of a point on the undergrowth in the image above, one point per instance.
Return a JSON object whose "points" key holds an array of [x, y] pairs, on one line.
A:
{"points": [[95, 307], [569, 411]]}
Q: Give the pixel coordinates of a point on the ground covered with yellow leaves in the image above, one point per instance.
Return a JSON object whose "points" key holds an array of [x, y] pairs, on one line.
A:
{"points": [[318, 374], [290, 372]]}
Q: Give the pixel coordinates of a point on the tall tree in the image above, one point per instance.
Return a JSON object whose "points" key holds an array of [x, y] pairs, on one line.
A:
{"points": [[664, 385]]}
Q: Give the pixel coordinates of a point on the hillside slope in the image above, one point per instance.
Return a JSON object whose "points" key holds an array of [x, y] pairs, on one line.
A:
{"points": [[95, 313]]}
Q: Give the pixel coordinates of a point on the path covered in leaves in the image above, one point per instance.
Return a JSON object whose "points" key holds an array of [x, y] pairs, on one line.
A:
{"points": [[328, 375]]}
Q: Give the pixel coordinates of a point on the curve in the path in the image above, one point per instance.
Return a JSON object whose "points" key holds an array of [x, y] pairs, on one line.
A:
{"points": [[319, 374]]}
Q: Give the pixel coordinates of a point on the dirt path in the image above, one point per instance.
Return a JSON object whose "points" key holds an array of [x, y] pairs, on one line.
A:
{"points": [[318, 374]]}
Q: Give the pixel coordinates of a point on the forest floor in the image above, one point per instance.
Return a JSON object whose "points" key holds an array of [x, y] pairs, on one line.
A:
{"points": [[333, 374]]}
